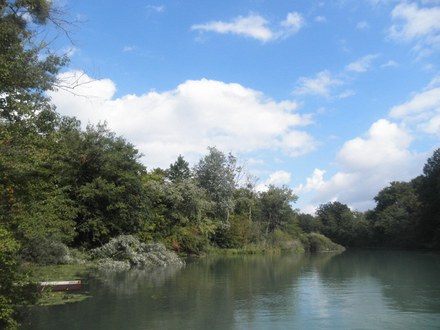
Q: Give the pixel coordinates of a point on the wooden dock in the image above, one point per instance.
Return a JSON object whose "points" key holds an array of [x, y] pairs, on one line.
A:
{"points": [[75, 285]]}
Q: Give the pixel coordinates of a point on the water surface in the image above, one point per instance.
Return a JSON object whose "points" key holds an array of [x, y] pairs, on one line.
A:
{"points": [[352, 290]]}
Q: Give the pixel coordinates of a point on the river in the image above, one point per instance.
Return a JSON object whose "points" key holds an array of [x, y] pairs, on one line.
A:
{"points": [[352, 290]]}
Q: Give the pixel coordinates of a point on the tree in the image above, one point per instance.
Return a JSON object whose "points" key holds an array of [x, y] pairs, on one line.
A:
{"points": [[179, 170], [274, 207], [397, 215], [32, 204], [337, 222], [308, 223], [429, 190], [107, 187], [27, 68], [15, 289], [216, 174]]}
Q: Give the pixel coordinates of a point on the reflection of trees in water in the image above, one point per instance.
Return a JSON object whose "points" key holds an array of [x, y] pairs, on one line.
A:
{"points": [[132, 281], [410, 280]]}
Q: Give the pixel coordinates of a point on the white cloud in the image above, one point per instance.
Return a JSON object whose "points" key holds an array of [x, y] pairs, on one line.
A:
{"points": [[187, 119], [277, 178], [390, 64], [362, 25], [363, 64], [368, 164], [421, 25], [157, 9], [385, 143], [255, 26], [319, 85], [315, 182], [129, 49], [320, 19], [292, 24], [423, 110], [296, 143]]}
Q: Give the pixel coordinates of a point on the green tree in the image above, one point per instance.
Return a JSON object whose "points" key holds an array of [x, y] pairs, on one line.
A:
{"points": [[397, 215], [15, 289], [179, 170], [178, 213], [107, 187], [27, 68], [429, 191], [337, 222], [274, 207], [308, 223], [216, 174], [32, 205]]}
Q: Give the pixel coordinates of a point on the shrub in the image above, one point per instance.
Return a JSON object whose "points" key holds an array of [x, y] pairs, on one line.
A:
{"points": [[45, 252], [315, 242]]}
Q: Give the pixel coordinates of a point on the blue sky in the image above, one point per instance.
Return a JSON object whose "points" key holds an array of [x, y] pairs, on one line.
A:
{"points": [[334, 99]]}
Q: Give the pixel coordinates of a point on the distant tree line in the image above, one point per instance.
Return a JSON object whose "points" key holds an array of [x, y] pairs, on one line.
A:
{"points": [[407, 215]]}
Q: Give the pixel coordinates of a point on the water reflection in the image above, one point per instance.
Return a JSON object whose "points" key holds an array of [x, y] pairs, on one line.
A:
{"points": [[356, 289]]}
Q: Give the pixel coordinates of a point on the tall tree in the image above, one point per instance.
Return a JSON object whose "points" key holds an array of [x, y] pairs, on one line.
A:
{"points": [[29, 196], [429, 189], [216, 174], [179, 170], [337, 222], [397, 214], [275, 209], [107, 187]]}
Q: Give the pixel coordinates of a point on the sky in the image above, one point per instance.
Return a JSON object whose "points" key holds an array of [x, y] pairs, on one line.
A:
{"points": [[334, 99]]}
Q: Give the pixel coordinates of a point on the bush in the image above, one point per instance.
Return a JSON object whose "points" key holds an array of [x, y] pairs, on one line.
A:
{"points": [[126, 251], [315, 242], [45, 252]]}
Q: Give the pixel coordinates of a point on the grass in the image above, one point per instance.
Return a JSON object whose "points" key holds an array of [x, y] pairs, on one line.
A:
{"points": [[67, 272], [52, 298]]}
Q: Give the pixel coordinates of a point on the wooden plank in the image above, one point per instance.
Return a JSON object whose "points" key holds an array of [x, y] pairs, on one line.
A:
{"points": [[62, 285]]}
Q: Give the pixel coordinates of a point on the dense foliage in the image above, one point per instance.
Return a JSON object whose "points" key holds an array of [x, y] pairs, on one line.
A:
{"points": [[407, 215]]}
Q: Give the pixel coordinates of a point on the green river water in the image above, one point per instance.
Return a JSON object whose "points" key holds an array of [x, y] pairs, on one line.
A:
{"points": [[352, 290]]}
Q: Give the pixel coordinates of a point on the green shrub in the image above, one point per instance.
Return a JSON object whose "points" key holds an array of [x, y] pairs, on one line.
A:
{"points": [[315, 242], [45, 252]]}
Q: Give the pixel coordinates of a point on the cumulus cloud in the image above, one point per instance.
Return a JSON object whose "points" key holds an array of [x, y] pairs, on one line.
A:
{"points": [[255, 26], [363, 64], [423, 110], [187, 119], [421, 25], [315, 182], [292, 24], [368, 164], [321, 84], [277, 178]]}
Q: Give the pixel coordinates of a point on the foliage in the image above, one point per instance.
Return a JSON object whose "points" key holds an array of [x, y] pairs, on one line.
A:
{"points": [[129, 249], [337, 222], [274, 207], [429, 191], [308, 223], [315, 242], [396, 217], [216, 174], [179, 170], [15, 289], [107, 187], [45, 252], [178, 214]]}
